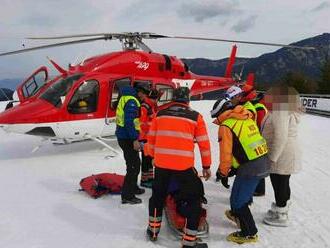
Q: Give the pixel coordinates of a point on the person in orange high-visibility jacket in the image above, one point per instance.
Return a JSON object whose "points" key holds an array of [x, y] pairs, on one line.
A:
{"points": [[241, 147], [147, 112], [171, 143], [248, 97]]}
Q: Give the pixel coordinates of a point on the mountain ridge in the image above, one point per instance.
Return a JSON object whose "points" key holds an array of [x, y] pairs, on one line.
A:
{"points": [[271, 67]]}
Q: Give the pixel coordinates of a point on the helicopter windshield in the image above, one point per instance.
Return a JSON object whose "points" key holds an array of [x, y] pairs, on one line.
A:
{"points": [[56, 93]]}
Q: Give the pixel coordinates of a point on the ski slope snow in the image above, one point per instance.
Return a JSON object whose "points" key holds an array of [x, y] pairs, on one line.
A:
{"points": [[41, 206]]}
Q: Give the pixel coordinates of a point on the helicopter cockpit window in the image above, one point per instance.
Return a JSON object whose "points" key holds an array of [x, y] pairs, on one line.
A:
{"points": [[142, 83], [115, 90], [57, 92], [32, 86], [85, 98], [166, 94]]}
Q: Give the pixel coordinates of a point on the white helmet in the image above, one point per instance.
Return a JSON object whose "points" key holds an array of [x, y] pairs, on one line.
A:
{"points": [[233, 91]]}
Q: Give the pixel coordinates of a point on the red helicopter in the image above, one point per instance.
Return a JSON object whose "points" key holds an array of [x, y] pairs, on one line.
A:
{"points": [[80, 102]]}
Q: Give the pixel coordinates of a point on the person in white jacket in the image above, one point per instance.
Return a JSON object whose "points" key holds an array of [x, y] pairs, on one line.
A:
{"points": [[280, 129]]}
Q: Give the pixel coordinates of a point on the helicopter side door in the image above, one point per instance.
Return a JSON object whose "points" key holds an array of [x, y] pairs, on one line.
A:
{"points": [[83, 111], [32, 85], [113, 98]]}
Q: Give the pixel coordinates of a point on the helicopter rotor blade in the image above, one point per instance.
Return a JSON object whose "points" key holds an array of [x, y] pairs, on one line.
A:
{"points": [[55, 45], [242, 41], [143, 35], [70, 36]]}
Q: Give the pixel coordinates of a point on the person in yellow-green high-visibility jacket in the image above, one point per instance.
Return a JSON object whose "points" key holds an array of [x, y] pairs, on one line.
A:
{"points": [[241, 147], [127, 132]]}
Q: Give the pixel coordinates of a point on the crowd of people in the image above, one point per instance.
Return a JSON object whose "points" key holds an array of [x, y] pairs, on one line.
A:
{"points": [[257, 137]]}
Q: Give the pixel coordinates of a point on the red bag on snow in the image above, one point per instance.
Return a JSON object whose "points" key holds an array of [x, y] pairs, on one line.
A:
{"points": [[101, 184]]}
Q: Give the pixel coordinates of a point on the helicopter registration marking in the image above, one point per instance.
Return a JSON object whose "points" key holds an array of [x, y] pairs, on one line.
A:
{"points": [[142, 65], [184, 82]]}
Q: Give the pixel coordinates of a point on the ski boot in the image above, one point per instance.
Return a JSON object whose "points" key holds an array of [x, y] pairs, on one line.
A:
{"points": [[277, 216], [198, 245], [151, 235], [239, 238], [133, 200]]}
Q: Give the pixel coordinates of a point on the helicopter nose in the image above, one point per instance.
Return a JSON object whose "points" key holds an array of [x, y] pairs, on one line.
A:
{"points": [[24, 117]]}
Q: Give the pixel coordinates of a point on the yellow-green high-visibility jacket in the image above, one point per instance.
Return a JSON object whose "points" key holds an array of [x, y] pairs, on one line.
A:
{"points": [[120, 113], [260, 106], [248, 144], [249, 106]]}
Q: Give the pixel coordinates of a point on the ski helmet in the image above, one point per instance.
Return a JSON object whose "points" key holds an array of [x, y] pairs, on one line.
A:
{"points": [[220, 106], [144, 88], [233, 91]]}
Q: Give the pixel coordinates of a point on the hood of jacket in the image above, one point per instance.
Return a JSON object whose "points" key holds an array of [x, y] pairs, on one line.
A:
{"points": [[239, 113], [127, 91]]}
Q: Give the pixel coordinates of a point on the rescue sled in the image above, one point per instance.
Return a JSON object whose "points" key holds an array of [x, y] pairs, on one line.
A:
{"points": [[177, 222]]}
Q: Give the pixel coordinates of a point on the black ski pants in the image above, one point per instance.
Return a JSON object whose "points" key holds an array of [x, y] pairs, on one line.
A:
{"points": [[146, 167], [281, 186], [187, 194], [132, 159]]}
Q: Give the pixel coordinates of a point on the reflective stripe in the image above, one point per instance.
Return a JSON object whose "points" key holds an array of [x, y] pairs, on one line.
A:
{"points": [[177, 118], [191, 232], [256, 144], [154, 229], [206, 153], [154, 224], [202, 138], [174, 152], [153, 219], [177, 134], [189, 238], [152, 133], [189, 243]]}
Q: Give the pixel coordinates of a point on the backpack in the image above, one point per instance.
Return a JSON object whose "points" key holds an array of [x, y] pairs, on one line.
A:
{"points": [[101, 184]]}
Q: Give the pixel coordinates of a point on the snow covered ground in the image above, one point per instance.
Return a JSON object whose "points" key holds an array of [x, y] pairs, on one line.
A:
{"points": [[41, 206]]}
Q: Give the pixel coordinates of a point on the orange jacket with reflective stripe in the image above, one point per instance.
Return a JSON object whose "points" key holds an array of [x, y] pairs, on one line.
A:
{"points": [[147, 112], [171, 138]]}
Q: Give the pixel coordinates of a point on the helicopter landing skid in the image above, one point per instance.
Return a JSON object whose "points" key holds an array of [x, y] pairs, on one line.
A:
{"points": [[100, 141]]}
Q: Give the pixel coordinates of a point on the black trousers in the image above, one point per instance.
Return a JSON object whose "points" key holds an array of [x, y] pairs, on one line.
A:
{"points": [[146, 167], [188, 194], [248, 226], [132, 159], [281, 186]]}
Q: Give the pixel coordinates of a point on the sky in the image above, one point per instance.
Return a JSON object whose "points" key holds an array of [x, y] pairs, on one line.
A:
{"points": [[279, 21]]}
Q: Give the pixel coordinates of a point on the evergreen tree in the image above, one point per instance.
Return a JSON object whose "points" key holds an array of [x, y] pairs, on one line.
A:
{"points": [[300, 82], [324, 83]]}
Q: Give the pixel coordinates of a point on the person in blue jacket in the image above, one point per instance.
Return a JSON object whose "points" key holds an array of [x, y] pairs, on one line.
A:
{"points": [[127, 132]]}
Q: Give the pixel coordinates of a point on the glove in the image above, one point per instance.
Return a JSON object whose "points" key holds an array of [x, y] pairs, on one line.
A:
{"points": [[223, 179], [232, 172], [224, 182]]}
